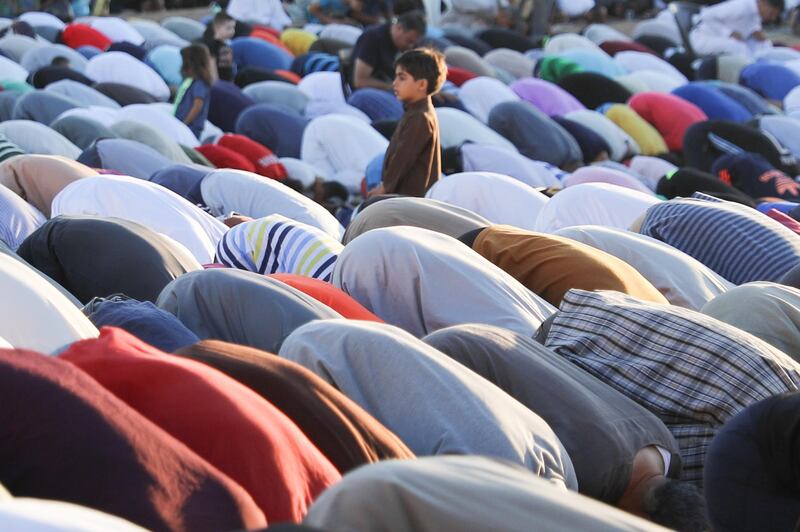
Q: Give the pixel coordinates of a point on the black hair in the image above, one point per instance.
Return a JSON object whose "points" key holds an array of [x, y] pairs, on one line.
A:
{"points": [[679, 506], [412, 21], [424, 63], [334, 189], [780, 5], [60, 60]]}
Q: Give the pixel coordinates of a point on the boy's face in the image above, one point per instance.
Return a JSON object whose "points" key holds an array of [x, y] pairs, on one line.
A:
{"points": [[406, 88], [226, 30], [768, 12]]}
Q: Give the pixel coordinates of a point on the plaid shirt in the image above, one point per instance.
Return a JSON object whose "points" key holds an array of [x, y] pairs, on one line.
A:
{"points": [[692, 371]]}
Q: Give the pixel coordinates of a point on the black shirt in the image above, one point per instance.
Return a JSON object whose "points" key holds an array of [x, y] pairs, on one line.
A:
{"points": [[376, 48]]}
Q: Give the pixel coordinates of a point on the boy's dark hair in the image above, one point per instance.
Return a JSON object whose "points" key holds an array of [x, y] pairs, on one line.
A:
{"points": [[197, 63], [412, 21], [679, 506], [221, 18], [424, 63]]}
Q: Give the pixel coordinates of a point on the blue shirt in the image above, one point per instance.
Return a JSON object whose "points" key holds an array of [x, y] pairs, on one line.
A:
{"points": [[198, 89]]}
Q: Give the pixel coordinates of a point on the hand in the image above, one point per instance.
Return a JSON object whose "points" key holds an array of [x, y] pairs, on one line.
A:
{"points": [[759, 35], [736, 35], [377, 191]]}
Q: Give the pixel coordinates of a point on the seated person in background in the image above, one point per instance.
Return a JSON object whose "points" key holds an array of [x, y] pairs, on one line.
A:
{"points": [[369, 12], [216, 38], [734, 27], [376, 49], [332, 11], [413, 160]]}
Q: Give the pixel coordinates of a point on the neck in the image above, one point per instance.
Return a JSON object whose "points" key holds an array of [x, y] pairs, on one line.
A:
{"points": [[415, 100], [646, 475]]}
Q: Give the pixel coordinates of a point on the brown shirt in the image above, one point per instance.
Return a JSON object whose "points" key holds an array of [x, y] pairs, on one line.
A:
{"points": [[550, 265], [413, 159]]}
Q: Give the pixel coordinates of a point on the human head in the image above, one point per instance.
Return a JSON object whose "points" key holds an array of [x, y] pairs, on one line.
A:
{"points": [[770, 10], [224, 26], [197, 63], [407, 29], [678, 506], [418, 73], [60, 61]]}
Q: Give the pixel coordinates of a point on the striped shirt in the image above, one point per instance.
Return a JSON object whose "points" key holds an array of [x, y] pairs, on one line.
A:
{"points": [[8, 149], [690, 370], [737, 242], [276, 244]]}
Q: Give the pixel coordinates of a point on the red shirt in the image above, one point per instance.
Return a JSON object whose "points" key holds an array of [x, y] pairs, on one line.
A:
{"points": [[669, 114], [223, 421], [328, 294]]}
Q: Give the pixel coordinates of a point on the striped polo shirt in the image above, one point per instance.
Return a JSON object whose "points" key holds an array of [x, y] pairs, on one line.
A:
{"points": [[737, 242], [8, 149], [276, 244]]}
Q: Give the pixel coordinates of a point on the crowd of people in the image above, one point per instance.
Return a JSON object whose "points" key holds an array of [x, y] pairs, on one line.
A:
{"points": [[340, 266]]}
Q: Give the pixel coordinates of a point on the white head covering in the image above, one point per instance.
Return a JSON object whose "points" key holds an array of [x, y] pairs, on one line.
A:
{"points": [[593, 204], [434, 404], [633, 61], [652, 169], [39, 515], [488, 158], [618, 140], [119, 67], [144, 202], [84, 94], [18, 218], [442, 493], [340, 147], [457, 127], [498, 198], [570, 41], [791, 102], [512, 61], [252, 195], [602, 174], [11, 71], [155, 115], [34, 314], [42, 56], [479, 95], [683, 280], [423, 281], [33, 137], [600, 33]]}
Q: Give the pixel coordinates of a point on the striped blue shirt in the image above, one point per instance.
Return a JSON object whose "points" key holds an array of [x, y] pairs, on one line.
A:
{"points": [[737, 242], [276, 244]]}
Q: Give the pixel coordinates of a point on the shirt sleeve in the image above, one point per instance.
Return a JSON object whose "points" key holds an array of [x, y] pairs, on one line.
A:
{"points": [[402, 158], [368, 50]]}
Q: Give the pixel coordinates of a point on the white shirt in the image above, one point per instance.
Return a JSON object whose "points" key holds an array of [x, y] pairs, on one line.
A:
{"points": [[479, 95], [457, 127], [488, 158], [498, 198], [267, 12], [10, 71], [253, 195], [154, 115], [632, 61], [119, 67], [732, 15], [40, 515], [116, 29], [618, 140], [340, 147], [81, 93], [43, 56], [34, 314], [149, 204]]}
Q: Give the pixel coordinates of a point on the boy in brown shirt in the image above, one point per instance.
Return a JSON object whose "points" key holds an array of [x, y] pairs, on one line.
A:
{"points": [[412, 163]]}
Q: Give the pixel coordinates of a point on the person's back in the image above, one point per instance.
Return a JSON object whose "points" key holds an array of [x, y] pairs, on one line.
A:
{"points": [[413, 159]]}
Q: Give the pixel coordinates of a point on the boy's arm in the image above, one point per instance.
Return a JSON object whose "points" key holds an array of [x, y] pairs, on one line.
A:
{"points": [[415, 138]]}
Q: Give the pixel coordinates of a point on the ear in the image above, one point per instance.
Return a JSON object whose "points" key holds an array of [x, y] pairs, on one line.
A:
{"points": [[422, 85]]}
